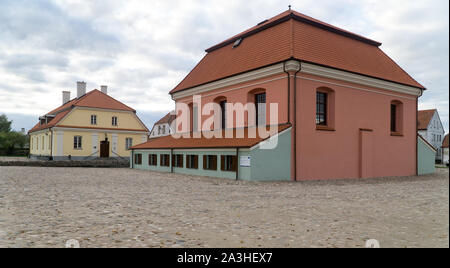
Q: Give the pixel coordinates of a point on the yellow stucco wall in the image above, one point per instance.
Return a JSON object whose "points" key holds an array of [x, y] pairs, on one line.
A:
{"points": [[81, 117], [40, 143], [87, 143]]}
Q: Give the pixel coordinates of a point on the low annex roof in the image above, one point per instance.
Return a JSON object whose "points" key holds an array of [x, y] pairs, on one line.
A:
{"points": [[170, 142]]}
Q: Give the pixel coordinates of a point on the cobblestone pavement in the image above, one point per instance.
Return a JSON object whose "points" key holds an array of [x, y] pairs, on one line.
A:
{"points": [[44, 207]]}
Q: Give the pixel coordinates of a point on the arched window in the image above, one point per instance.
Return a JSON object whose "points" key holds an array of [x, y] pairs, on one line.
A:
{"points": [[221, 115], [193, 117], [258, 97], [396, 118]]}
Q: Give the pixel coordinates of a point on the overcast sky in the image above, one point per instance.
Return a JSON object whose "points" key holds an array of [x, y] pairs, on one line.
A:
{"points": [[142, 49]]}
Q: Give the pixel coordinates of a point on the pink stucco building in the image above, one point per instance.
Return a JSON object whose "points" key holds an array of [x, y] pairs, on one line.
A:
{"points": [[349, 109]]}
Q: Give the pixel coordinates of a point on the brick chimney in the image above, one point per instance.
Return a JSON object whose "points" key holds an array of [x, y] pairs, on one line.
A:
{"points": [[81, 89], [65, 97]]}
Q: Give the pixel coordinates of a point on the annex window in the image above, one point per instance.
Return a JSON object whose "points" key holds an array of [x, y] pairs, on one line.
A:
{"points": [[164, 129], [152, 159], [396, 118], [77, 142], [93, 119], [159, 130], [192, 161], [260, 105], [321, 108], [210, 162], [177, 160], [43, 143], [128, 143], [228, 163], [138, 159], [164, 160], [114, 120]]}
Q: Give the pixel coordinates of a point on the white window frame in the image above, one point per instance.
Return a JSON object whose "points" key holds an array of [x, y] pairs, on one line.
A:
{"points": [[128, 143], [77, 142], [114, 120], [93, 119]]}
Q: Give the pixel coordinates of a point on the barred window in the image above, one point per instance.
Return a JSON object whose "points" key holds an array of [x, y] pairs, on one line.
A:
{"points": [[321, 108], [260, 103]]}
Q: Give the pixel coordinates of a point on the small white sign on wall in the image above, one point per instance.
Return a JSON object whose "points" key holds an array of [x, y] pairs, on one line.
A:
{"points": [[244, 161]]}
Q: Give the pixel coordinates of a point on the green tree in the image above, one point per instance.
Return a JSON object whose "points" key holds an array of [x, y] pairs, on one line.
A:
{"points": [[5, 125], [12, 140]]}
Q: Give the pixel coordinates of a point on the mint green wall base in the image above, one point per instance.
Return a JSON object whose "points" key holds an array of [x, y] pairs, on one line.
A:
{"points": [[272, 164], [425, 158], [265, 164], [200, 172]]}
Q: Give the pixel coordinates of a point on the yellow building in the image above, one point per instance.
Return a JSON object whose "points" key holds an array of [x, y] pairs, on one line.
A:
{"points": [[90, 126]]}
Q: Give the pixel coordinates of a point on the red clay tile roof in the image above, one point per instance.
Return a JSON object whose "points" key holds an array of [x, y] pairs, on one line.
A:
{"points": [[168, 118], [445, 142], [424, 117], [292, 35], [169, 142], [92, 99]]}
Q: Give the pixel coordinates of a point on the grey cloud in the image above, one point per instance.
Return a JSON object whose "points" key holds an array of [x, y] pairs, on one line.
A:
{"points": [[41, 24]]}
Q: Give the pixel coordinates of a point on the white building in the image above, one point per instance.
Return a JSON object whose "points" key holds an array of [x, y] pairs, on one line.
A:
{"points": [[431, 129], [163, 126]]}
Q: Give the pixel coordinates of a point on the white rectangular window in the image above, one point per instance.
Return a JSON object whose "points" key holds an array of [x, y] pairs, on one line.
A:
{"points": [[77, 142], [93, 119], [114, 120], [128, 143]]}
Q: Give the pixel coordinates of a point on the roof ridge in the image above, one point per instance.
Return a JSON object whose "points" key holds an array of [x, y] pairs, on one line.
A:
{"points": [[288, 15], [96, 90]]}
